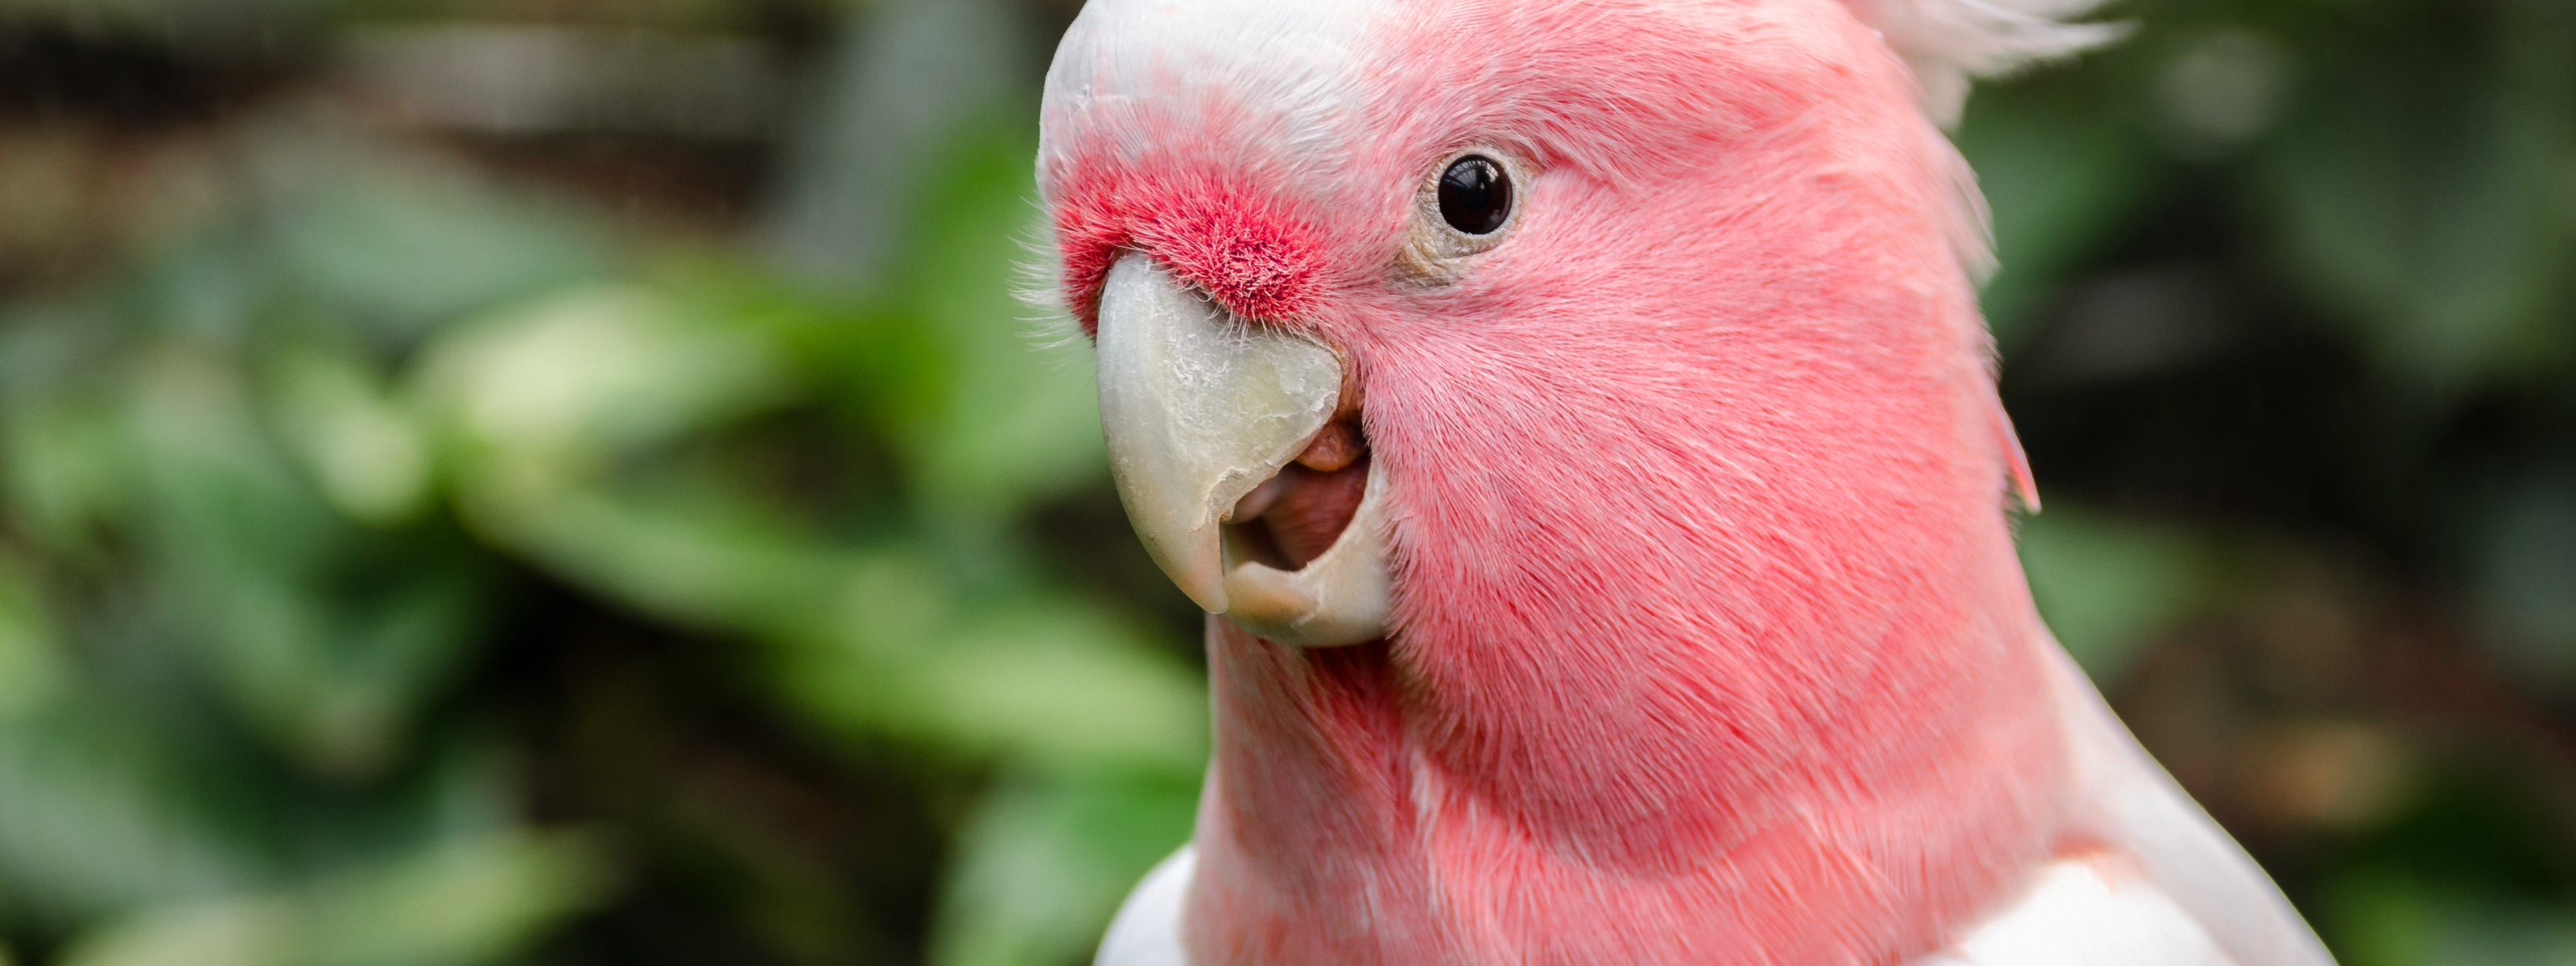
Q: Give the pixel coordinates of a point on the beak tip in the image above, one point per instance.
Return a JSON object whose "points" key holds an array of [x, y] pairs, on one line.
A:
{"points": [[1194, 564], [1209, 595]]}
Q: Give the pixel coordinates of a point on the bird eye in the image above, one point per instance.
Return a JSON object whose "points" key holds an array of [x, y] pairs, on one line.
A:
{"points": [[1463, 209], [1475, 195]]}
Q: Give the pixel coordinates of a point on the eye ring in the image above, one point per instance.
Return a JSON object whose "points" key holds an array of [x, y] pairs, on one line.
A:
{"points": [[1465, 205]]}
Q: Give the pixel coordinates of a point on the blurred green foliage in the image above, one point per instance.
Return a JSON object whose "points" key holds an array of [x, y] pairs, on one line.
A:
{"points": [[274, 481], [2288, 327], [440, 534]]}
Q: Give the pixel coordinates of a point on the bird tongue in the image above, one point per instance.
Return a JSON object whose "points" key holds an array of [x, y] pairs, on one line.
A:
{"points": [[1305, 508]]}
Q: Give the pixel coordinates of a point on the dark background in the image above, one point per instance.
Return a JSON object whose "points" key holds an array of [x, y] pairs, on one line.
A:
{"points": [[566, 481]]}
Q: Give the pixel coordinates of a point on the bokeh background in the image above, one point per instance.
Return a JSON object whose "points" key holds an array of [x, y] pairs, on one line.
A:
{"points": [[567, 481]]}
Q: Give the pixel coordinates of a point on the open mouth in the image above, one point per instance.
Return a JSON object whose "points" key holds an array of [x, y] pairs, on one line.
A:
{"points": [[1296, 516], [1238, 453], [1303, 554]]}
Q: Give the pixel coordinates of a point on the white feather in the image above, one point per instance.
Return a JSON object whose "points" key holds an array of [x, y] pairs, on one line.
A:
{"points": [[1951, 42], [1301, 63], [2126, 800], [1147, 931], [2077, 912], [2088, 913]]}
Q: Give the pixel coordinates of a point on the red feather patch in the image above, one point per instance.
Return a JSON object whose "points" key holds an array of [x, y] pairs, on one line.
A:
{"points": [[1234, 245]]}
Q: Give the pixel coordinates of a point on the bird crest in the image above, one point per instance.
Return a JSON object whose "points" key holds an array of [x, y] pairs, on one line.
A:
{"points": [[1950, 43]]}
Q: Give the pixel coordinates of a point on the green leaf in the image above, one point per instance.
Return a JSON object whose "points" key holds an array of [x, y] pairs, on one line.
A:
{"points": [[408, 246], [560, 384], [1044, 679], [233, 932], [462, 904], [2390, 919], [1047, 860], [2107, 585], [465, 903], [66, 472], [369, 454], [714, 568], [96, 817], [33, 672], [2061, 177], [2418, 223], [1019, 420]]}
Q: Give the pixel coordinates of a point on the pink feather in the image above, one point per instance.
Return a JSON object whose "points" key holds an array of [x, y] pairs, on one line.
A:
{"points": [[1713, 645]]}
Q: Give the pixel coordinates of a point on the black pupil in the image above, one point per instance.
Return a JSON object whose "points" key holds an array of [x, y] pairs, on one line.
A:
{"points": [[1475, 197]]}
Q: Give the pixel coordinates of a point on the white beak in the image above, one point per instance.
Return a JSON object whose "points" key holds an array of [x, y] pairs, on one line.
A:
{"points": [[1198, 409]]}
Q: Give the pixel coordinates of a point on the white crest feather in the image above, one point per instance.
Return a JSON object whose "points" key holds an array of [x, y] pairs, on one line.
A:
{"points": [[1951, 42]]}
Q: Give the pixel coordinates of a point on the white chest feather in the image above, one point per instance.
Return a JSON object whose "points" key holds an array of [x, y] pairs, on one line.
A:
{"points": [[2078, 912], [2087, 913], [1147, 931]]}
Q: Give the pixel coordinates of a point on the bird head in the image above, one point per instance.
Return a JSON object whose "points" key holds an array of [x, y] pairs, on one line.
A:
{"points": [[1616, 364], [1597, 300], [1616, 361]]}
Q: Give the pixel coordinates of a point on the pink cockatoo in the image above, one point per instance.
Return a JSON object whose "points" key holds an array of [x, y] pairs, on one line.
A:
{"points": [[1576, 419]]}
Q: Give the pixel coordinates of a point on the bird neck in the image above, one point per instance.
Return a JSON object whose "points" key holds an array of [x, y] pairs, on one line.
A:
{"points": [[1648, 802]]}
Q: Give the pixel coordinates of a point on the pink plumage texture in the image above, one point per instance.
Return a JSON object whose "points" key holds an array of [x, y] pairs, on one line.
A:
{"points": [[1712, 645]]}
